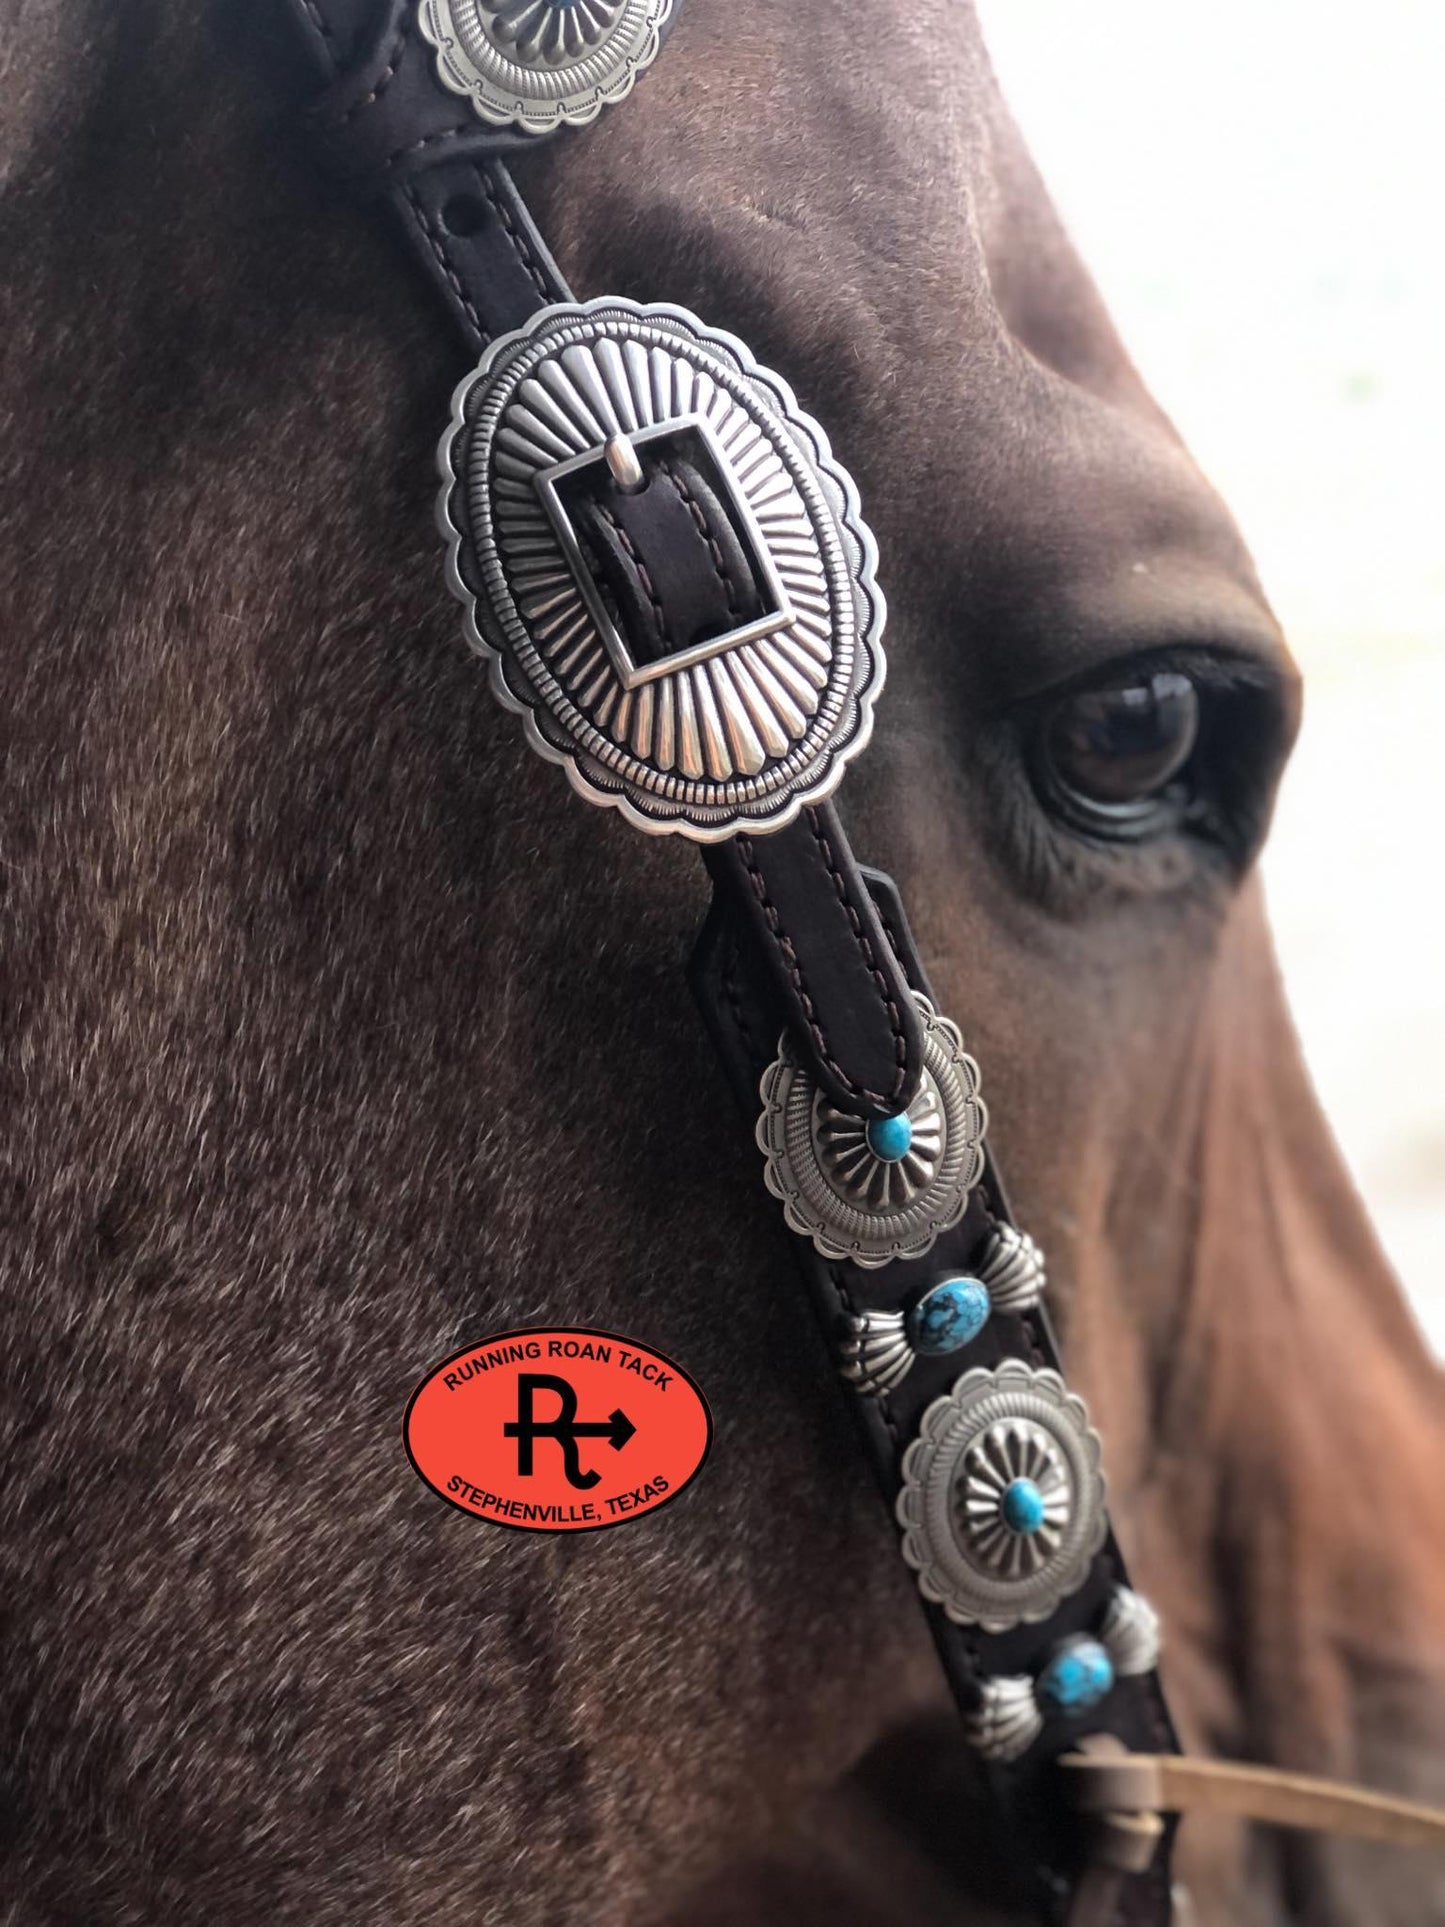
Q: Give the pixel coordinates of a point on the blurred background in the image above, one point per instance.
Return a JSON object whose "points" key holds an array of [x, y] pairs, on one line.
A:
{"points": [[1256, 187]]}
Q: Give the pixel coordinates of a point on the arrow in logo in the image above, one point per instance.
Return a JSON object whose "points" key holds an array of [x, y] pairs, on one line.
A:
{"points": [[617, 1430]]}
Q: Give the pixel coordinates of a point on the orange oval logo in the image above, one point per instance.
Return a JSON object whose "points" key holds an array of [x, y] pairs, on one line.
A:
{"points": [[559, 1429]]}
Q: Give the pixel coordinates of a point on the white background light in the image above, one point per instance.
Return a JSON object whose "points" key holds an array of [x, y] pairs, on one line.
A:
{"points": [[1255, 186]]}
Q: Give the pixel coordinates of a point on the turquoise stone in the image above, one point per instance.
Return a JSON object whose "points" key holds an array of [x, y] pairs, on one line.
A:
{"points": [[889, 1138], [1022, 1506], [948, 1316], [1077, 1678]]}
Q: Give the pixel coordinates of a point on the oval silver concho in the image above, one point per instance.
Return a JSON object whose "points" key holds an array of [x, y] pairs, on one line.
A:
{"points": [[739, 732], [1010, 1427], [542, 64], [851, 1203]]}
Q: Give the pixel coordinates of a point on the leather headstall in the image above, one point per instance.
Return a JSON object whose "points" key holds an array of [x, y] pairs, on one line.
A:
{"points": [[670, 580]]}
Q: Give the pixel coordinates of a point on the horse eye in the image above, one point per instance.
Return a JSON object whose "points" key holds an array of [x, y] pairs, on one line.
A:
{"points": [[1117, 747]]}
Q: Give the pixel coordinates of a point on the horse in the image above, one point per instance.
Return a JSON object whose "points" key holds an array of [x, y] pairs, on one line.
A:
{"points": [[338, 1033]]}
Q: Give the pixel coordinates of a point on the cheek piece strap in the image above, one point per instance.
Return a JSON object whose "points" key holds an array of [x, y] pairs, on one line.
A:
{"points": [[670, 579]]}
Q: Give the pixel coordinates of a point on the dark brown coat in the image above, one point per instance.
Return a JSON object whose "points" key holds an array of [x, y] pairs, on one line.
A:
{"points": [[337, 1032]]}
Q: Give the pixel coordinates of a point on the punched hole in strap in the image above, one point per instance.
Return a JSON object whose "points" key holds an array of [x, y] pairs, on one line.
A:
{"points": [[464, 215]]}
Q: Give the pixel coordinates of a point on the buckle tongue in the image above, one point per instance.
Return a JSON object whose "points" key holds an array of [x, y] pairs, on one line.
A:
{"points": [[715, 726]]}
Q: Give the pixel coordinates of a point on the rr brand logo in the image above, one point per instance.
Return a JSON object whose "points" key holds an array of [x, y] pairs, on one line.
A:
{"points": [[566, 1428], [557, 1429]]}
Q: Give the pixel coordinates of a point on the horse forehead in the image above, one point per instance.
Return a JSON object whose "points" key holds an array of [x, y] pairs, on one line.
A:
{"points": [[842, 186], [811, 146]]}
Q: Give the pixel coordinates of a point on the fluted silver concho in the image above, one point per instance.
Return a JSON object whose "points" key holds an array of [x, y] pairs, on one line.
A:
{"points": [[1009, 1427], [541, 64], [836, 1191], [737, 733]]}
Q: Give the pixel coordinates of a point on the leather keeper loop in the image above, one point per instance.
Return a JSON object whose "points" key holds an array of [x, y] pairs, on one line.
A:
{"points": [[386, 116], [669, 557], [387, 127]]}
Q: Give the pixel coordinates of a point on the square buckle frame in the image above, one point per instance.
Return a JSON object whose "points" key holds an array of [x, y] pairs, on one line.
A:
{"points": [[632, 674]]}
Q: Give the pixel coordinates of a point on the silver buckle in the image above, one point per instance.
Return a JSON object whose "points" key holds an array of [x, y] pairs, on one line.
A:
{"points": [[737, 732], [781, 611]]}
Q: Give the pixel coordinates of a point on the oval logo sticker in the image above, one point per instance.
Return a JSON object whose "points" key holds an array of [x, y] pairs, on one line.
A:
{"points": [[559, 1429]]}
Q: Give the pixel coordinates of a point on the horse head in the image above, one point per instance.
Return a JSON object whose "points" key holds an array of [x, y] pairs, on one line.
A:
{"points": [[343, 1032]]}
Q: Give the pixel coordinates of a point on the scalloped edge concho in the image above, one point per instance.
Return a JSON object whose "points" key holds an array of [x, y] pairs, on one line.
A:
{"points": [[548, 90], [744, 739], [960, 1576], [822, 1178]]}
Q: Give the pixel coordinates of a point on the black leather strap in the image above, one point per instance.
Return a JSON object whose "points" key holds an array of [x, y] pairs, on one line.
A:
{"points": [[740, 1001], [799, 899], [672, 560], [798, 936], [388, 128], [670, 557], [679, 575], [384, 117], [465, 223]]}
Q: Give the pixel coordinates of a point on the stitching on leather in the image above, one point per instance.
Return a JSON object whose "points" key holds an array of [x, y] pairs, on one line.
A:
{"points": [[795, 974], [464, 133], [890, 1004], [967, 1643], [694, 509], [392, 54], [659, 614], [915, 981], [434, 241], [520, 244]]}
